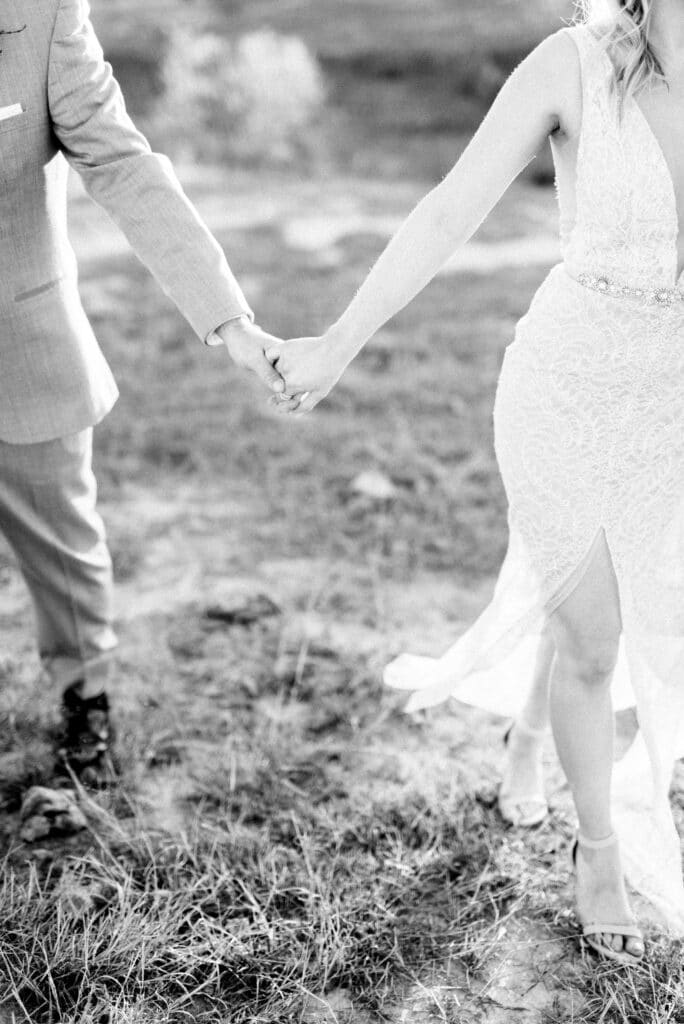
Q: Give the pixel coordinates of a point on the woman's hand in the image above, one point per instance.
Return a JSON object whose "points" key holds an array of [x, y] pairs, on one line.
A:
{"points": [[310, 367]]}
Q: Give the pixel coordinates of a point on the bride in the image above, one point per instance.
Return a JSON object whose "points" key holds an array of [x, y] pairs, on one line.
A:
{"points": [[588, 610]]}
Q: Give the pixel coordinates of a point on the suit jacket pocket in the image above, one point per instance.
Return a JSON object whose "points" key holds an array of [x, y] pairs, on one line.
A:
{"points": [[12, 121]]}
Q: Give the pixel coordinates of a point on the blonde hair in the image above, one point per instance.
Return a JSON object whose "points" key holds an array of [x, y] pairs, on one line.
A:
{"points": [[624, 27]]}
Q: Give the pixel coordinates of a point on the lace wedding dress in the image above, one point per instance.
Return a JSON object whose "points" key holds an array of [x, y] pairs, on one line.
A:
{"points": [[589, 437]]}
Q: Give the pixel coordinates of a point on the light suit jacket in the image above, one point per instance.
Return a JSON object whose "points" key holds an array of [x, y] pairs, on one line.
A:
{"points": [[60, 104]]}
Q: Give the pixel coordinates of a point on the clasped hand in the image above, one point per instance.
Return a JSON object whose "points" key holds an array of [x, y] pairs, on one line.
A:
{"points": [[300, 373], [310, 368]]}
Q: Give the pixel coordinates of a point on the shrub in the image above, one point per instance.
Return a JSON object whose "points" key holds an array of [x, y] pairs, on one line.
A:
{"points": [[258, 99]]}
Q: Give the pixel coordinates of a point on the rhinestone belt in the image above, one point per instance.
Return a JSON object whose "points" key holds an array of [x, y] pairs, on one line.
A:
{"points": [[659, 296]]}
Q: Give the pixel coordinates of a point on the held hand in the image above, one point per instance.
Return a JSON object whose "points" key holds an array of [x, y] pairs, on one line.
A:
{"points": [[310, 367], [247, 344]]}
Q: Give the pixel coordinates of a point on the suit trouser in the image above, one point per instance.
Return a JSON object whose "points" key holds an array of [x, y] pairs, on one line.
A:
{"points": [[48, 516]]}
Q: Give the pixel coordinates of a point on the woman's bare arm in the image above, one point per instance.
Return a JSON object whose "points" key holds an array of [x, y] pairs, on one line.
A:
{"points": [[530, 105], [536, 100]]}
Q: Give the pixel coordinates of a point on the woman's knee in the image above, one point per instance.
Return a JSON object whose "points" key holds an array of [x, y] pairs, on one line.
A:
{"points": [[589, 659], [588, 623]]}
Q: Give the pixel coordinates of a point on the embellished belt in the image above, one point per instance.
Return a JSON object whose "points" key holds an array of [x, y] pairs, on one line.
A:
{"points": [[659, 296]]}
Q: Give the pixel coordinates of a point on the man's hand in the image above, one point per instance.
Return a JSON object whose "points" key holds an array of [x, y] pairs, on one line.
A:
{"points": [[247, 344], [310, 367]]}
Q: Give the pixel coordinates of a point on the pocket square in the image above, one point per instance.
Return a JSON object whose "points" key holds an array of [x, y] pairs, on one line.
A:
{"points": [[12, 111]]}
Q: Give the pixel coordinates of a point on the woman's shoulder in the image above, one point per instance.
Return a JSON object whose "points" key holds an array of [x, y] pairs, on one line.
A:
{"points": [[556, 60], [566, 44], [557, 53], [568, 53], [556, 66]]}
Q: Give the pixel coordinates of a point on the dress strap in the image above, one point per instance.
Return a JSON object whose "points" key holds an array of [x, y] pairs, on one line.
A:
{"points": [[582, 37], [592, 53], [596, 69]]}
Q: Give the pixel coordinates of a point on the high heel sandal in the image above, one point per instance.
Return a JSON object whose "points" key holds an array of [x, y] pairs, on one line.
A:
{"points": [[627, 929], [510, 804]]}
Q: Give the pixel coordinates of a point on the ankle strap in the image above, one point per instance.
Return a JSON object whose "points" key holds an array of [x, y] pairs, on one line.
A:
{"points": [[596, 844]]}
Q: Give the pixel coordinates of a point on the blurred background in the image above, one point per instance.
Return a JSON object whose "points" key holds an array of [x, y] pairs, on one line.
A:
{"points": [[349, 84]]}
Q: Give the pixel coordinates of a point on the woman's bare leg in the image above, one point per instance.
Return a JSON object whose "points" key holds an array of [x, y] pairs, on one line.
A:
{"points": [[523, 771], [535, 712], [586, 629]]}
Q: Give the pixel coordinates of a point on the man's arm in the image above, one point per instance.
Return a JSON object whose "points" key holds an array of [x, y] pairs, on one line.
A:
{"points": [[138, 188]]}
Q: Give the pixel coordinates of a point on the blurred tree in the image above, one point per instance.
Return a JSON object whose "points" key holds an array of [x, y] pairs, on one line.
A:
{"points": [[256, 99]]}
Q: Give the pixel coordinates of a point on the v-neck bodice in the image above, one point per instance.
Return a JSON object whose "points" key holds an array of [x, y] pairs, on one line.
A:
{"points": [[626, 223], [668, 177]]}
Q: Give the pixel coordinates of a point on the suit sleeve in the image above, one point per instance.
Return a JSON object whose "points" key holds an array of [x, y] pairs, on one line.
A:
{"points": [[137, 188]]}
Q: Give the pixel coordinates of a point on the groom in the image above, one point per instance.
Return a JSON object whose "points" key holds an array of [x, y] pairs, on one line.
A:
{"points": [[60, 105]]}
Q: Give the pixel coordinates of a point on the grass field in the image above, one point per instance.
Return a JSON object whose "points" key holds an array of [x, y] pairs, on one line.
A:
{"points": [[285, 845]]}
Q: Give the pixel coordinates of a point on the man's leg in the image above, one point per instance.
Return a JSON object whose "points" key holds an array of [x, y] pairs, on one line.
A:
{"points": [[48, 515]]}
